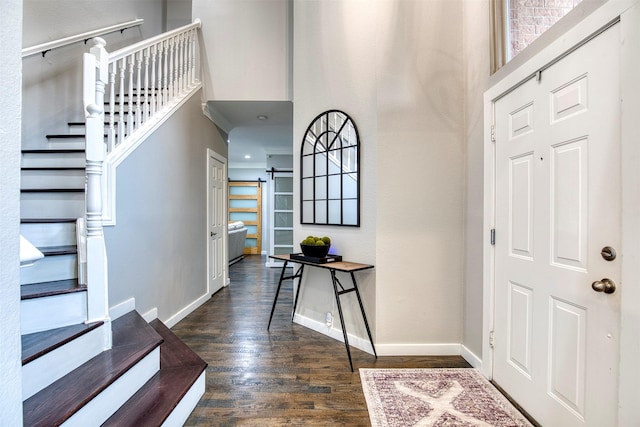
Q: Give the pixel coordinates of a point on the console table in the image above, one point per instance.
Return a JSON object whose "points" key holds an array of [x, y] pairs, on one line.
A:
{"points": [[332, 267]]}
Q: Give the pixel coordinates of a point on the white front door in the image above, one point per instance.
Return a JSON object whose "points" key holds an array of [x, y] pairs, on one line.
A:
{"points": [[558, 196], [217, 226]]}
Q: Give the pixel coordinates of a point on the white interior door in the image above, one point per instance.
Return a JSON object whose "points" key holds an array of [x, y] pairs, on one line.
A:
{"points": [[217, 226], [558, 195]]}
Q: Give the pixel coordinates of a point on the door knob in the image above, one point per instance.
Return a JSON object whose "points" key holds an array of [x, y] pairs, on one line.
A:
{"points": [[605, 285], [213, 234]]}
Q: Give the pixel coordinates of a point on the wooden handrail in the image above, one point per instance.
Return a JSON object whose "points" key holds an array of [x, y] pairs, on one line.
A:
{"points": [[45, 47]]}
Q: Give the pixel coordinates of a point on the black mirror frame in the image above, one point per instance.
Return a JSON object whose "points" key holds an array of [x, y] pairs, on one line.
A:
{"points": [[347, 120]]}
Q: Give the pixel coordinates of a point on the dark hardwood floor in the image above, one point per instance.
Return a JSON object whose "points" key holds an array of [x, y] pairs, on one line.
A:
{"points": [[289, 375]]}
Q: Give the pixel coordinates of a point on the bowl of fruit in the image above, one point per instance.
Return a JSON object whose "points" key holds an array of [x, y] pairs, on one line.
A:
{"points": [[316, 247]]}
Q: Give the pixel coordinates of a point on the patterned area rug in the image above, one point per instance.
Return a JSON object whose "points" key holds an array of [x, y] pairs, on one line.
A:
{"points": [[435, 397]]}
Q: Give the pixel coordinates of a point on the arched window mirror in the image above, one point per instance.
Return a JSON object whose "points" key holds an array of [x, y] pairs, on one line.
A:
{"points": [[330, 171]]}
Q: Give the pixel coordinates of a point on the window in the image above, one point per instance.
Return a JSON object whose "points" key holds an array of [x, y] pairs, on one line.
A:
{"points": [[517, 23]]}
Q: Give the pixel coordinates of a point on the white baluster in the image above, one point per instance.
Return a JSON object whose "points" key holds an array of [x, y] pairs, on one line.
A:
{"points": [[154, 87], [137, 58], [121, 117], [181, 66], [146, 85], [171, 69], [130, 115], [111, 133], [189, 74], [165, 85]]}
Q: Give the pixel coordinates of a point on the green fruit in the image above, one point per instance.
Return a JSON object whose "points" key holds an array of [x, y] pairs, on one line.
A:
{"points": [[319, 242], [326, 240]]}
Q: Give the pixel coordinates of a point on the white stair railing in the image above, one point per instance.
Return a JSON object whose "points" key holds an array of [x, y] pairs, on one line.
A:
{"points": [[146, 78], [143, 83]]}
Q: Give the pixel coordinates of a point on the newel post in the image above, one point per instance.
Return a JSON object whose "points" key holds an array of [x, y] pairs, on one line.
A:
{"points": [[95, 77]]}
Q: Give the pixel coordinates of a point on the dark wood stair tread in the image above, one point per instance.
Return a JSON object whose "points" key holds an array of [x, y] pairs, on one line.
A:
{"points": [[180, 367], [51, 168], [40, 343], [68, 136], [47, 220], [65, 135], [58, 250], [52, 150], [52, 190], [133, 339], [46, 289]]}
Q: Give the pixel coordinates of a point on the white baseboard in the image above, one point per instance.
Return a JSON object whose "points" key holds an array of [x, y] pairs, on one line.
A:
{"points": [[170, 322], [470, 357], [122, 308], [355, 341], [435, 349], [126, 306], [150, 315]]}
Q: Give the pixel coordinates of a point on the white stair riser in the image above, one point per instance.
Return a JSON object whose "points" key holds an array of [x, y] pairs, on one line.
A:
{"points": [[42, 314], [73, 142], [50, 268], [52, 205], [62, 160], [98, 410], [183, 410], [52, 366], [57, 178], [49, 234], [77, 129]]}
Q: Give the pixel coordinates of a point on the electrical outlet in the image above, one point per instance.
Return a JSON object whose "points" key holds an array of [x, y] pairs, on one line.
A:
{"points": [[329, 319]]}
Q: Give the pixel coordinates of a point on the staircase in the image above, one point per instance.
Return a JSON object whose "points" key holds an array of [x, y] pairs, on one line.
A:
{"points": [[78, 372]]}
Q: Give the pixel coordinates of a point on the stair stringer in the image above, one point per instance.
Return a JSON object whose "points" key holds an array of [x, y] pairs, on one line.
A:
{"points": [[128, 146]]}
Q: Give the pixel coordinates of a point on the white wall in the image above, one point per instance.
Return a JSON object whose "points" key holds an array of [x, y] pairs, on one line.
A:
{"points": [[248, 52], [334, 67], [396, 67], [475, 15], [52, 86], [10, 348], [178, 13], [157, 251], [420, 175]]}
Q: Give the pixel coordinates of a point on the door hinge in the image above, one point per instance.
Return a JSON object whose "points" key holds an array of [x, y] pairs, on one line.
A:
{"points": [[491, 339], [493, 133], [493, 236]]}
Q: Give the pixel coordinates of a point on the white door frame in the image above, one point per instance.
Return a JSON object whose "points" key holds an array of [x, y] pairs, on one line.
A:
{"points": [[628, 11], [225, 240]]}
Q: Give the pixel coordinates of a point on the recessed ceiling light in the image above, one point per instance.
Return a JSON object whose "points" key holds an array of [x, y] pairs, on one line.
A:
{"points": [[262, 117], [246, 156]]}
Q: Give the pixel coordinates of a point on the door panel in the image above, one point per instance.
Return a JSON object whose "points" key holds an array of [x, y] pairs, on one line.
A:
{"points": [[557, 202], [217, 227]]}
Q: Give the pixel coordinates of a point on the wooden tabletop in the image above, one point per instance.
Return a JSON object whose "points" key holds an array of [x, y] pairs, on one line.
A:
{"points": [[345, 266]]}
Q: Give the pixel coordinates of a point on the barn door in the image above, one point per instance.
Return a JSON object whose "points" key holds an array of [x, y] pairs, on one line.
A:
{"points": [[245, 204]]}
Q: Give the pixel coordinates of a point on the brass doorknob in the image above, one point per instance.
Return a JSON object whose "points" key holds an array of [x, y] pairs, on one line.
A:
{"points": [[605, 285]]}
